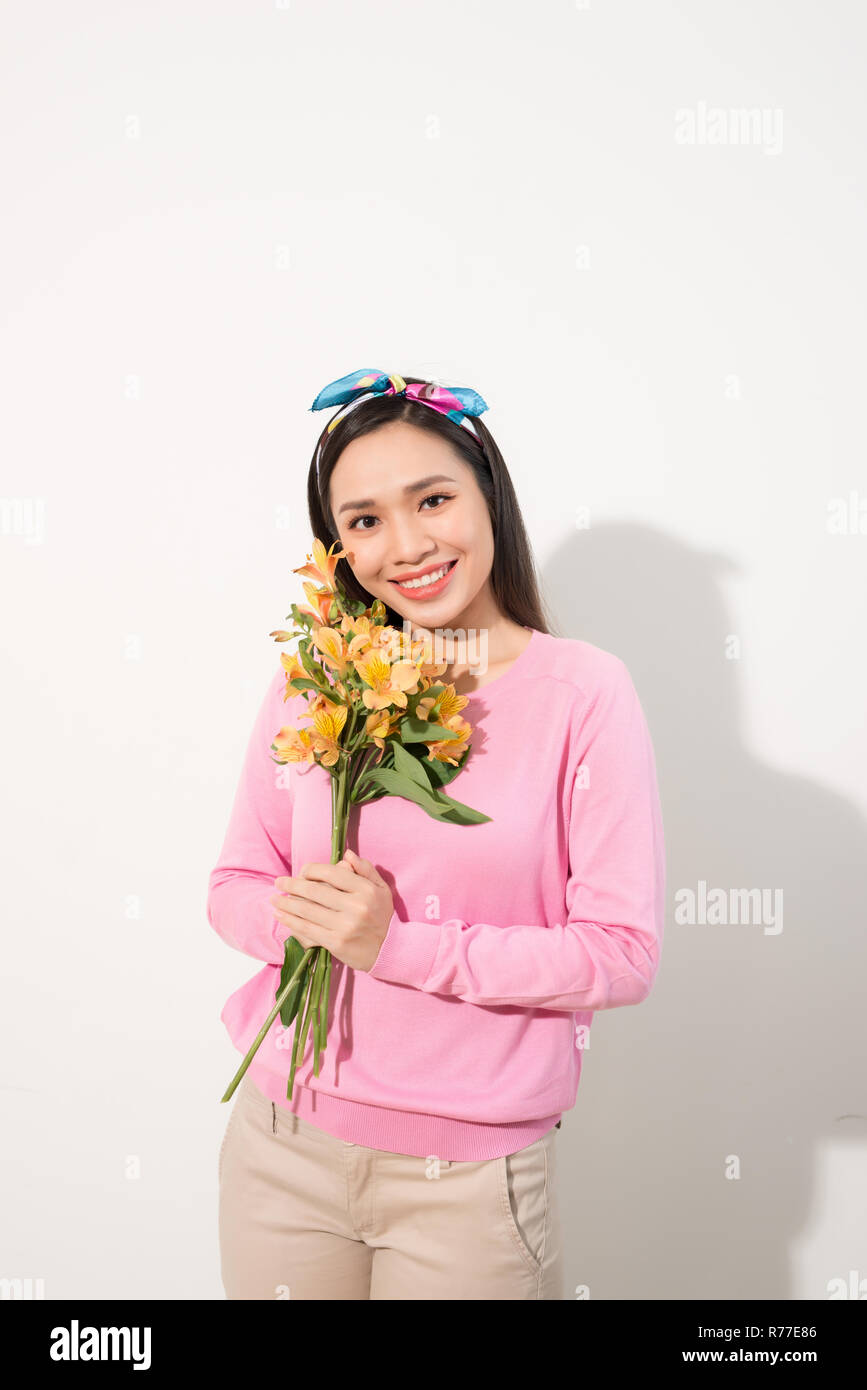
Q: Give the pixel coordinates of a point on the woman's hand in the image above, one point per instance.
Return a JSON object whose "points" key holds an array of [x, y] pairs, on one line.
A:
{"points": [[344, 907]]}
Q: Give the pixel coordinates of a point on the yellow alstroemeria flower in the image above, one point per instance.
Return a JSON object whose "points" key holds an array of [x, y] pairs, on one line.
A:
{"points": [[394, 646], [293, 668], [358, 647], [320, 604], [449, 703], [294, 745], [365, 633], [450, 750], [328, 721], [334, 649], [421, 655], [378, 726], [323, 563], [389, 683], [367, 636]]}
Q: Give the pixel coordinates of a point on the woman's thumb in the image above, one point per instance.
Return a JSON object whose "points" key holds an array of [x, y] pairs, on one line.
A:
{"points": [[361, 866]]}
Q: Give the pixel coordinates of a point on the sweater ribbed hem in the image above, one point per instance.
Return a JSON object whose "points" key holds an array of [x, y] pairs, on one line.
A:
{"points": [[399, 1131]]}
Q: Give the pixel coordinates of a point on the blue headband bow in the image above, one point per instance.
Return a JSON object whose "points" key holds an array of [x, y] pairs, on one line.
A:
{"points": [[456, 402]]}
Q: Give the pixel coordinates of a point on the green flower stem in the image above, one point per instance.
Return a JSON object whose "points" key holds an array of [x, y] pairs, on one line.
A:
{"points": [[266, 1025], [321, 967], [323, 1007], [301, 1040], [367, 796], [298, 1048], [361, 765]]}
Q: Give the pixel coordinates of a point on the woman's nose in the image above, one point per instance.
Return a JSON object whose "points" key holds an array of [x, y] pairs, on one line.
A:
{"points": [[411, 547]]}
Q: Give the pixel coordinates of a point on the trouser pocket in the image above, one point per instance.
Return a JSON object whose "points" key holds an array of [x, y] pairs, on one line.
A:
{"points": [[525, 1185]]}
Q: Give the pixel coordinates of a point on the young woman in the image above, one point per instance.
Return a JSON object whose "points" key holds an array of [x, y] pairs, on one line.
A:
{"points": [[468, 961]]}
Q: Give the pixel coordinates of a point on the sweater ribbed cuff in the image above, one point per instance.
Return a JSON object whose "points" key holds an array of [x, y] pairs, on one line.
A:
{"points": [[407, 954]]}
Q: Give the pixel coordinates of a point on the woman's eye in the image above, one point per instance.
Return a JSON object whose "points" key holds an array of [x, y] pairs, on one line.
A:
{"points": [[368, 516]]}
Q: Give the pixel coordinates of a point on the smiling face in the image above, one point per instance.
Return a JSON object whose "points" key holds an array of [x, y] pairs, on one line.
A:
{"points": [[404, 501]]}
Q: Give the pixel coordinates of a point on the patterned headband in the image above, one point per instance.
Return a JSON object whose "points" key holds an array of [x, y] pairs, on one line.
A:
{"points": [[457, 402]]}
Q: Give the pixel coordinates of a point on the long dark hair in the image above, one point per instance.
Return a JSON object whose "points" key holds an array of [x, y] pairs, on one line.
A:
{"points": [[514, 581]]}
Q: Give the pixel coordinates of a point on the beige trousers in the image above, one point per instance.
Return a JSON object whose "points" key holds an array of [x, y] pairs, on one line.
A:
{"points": [[305, 1215]]}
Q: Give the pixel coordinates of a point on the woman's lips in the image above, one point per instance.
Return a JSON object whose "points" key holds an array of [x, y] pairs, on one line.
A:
{"points": [[426, 591]]}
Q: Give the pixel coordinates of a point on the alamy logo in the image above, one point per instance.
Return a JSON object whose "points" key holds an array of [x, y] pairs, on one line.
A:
{"points": [[722, 907], [22, 1288], [102, 1344], [761, 126]]}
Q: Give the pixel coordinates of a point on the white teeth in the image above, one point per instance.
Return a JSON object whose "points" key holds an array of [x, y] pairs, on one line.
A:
{"points": [[425, 580]]}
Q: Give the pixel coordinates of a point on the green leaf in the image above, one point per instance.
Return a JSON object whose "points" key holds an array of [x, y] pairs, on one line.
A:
{"points": [[435, 803], [395, 784], [293, 953], [457, 813], [299, 683], [414, 730], [409, 765]]}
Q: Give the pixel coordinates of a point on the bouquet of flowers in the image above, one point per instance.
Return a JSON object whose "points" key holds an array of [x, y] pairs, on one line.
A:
{"points": [[382, 725]]}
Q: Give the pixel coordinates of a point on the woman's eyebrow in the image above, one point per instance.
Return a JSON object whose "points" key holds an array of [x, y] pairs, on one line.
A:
{"points": [[407, 492]]}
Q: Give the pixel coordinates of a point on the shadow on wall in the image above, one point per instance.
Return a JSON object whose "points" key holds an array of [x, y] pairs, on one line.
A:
{"points": [[752, 1041]]}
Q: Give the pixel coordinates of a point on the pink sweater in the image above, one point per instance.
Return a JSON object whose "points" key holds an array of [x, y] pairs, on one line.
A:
{"points": [[465, 1039]]}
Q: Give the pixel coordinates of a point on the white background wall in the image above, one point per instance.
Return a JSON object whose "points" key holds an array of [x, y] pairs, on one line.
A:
{"points": [[212, 209]]}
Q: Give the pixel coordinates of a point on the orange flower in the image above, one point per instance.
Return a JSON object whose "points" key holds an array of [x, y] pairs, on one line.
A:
{"points": [[360, 626], [445, 709], [430, 669], [389, 683], [333, 646], [293, 668], [395, 647], [377, 728], [420, 653], [323, 563], [293, 745], [328, 721], [320, 604], [448, 703], [363, 641], [450, 750]]}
